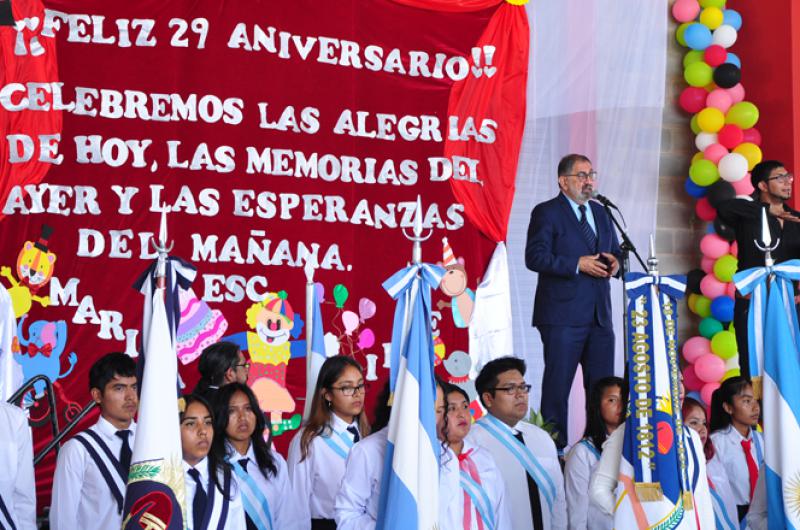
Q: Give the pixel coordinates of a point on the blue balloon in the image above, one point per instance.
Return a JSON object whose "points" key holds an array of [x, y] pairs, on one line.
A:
{"points": [[734, 60], [695, 395], [710, 229], [697, 36], [722, 308], [732, 18], [693, 189]]}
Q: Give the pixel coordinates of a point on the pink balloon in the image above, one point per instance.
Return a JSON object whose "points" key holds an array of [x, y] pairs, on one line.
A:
{"points": [[752, 136], [319, 290], [707, 392], [719, 99], [690, 380], [709, 368], [713, 246], [743, 186], [366, 338], [735, 249], [704, 210], [696, 347], [715, 152], [711, 287], [730, 290], [366, 309], [685, 10], [707, 264], [350, 321], [736, 92]]}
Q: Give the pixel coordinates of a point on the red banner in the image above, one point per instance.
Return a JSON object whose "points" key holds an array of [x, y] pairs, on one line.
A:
{"points": [[271, 132]]}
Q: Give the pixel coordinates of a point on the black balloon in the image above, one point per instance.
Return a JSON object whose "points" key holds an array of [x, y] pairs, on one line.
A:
{"points": [[724, 231], [720, 192], [693, 280], [727, 75]]}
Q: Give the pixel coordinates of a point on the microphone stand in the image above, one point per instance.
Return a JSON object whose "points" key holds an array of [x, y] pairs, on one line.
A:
{"points": [[627, 247]]}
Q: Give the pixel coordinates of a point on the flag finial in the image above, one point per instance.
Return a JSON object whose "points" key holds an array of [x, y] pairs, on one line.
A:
{"points": [[765, 245], [652, 260], [417, 238]]}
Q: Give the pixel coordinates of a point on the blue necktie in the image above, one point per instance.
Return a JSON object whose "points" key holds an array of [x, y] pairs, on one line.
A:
{"points": [[586, 229], [125, 452], [200, 499], [352, 430]]}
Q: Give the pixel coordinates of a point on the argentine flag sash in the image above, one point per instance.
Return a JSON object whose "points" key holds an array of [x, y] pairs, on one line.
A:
{"points": [[339, 442], [502, 433], [480, 499], [253, 499]]}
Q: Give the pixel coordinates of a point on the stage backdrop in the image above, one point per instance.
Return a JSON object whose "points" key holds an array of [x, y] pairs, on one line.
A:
{"points": [[273, 133]]}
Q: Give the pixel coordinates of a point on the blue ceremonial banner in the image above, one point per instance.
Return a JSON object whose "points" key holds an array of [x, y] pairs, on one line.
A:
{"points": [[317, 358], [410, 486], [781, 395], [654, 489]]}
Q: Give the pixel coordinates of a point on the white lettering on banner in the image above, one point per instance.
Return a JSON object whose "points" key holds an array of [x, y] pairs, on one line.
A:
{"points": [[111, 151], [110, 322], [22, 148], [202, 159], [309, 119], [236, 288], [31, 199], [185, 201]]}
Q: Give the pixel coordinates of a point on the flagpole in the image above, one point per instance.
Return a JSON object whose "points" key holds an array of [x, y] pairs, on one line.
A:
{"points": [[309, 269], [163, 249]]}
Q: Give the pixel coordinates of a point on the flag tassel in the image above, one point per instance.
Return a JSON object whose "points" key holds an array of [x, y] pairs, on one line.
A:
{"points": [[649, 491]]}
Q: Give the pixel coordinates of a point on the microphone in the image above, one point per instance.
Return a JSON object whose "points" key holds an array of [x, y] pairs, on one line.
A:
{"points": [[602, 199]]}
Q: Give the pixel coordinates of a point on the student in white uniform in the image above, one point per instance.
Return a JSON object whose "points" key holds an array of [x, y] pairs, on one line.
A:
{"points": [[605, 411], [603, 484], [739, 447], [212, 499], [475, 497], [92, 467], [261, 474], [17, 485], [359, 495], [525, 454], [318, 452], [694, 417]]}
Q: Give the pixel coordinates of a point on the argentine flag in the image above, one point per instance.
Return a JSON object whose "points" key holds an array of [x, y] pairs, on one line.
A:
{"points": [[410, 486], [317, 358], [781, 394]]}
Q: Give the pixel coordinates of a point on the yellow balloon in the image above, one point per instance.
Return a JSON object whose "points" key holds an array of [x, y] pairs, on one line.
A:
{"points": [[711, 17], [710, 119], [751, 152], [697, 156], [691, 301]]}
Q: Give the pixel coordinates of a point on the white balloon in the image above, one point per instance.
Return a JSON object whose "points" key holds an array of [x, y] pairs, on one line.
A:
{"points": [[732, 167], [724, 36], [732, 363], [704, 139]]}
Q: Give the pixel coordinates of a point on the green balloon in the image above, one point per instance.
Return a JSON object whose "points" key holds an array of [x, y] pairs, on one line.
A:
{"points": [[712, 3], [703, 172], [725, 268], [692, 56], [340, 294], [679, 34], [723, 344], [709, 327], [693, 125], [743, 114], [733, 372], [699, 74], [703, 306]]}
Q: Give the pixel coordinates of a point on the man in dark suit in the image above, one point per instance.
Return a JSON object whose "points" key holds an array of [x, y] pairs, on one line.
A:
{"points": [[574, 248]]}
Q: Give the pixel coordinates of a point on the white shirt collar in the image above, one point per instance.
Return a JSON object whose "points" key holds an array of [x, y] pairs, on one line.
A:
{"points": [[202, 467], [734, 430], [107, 429], [339, 425], [514, 430]]}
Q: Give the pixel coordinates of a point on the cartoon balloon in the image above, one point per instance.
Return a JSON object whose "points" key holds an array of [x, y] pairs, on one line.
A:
{"points": [[319, 291], [366, 338], [366, 308], [350, 321], [340, 294]]}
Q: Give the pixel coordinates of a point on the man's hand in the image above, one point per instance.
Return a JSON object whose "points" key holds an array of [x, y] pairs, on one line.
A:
{"points": [[592, 266], [778, 211], [613, 263]]}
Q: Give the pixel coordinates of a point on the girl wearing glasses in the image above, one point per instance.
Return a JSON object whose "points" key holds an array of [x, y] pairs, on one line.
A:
{"points": [[474, 498], [605, 411], [261, 476], [318, 452]]}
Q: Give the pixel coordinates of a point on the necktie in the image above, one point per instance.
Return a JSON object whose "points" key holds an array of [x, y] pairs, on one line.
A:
{"points": [[752, 467], [533, 495], [125, 453], [466, 465], [586, 229], [249, 522], [200, 499], [352, 430]]}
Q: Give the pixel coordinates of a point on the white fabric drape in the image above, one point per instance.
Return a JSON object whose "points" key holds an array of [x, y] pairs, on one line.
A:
{"points": [[596, 86]]}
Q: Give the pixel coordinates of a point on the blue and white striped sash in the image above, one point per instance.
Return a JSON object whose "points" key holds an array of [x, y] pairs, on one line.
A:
{"points": [[253, 499], [480, 499], [339, 442]]}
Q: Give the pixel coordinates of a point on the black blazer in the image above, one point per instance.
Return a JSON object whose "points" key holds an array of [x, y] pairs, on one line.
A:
{"points": [[565, 297]]}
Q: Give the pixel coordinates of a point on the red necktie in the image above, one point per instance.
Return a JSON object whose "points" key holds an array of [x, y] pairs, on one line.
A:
{"points": [[466, 465], [752, 467]]}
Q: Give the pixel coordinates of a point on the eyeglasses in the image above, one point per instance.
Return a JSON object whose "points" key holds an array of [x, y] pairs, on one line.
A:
{"points": [[514, 389], [783, 178], [583, 176], [246, 366], [349, 390]]}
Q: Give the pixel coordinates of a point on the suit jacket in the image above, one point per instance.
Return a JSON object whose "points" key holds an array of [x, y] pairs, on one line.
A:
{"points": [[565, 296]]}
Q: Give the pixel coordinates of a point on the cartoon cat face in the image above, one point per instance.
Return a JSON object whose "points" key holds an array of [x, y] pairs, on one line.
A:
{"points": [[34, 266]]}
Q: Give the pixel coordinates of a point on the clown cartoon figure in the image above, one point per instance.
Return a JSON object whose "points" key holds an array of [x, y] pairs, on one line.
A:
{"points": [[269, 347], [454, 285]]}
